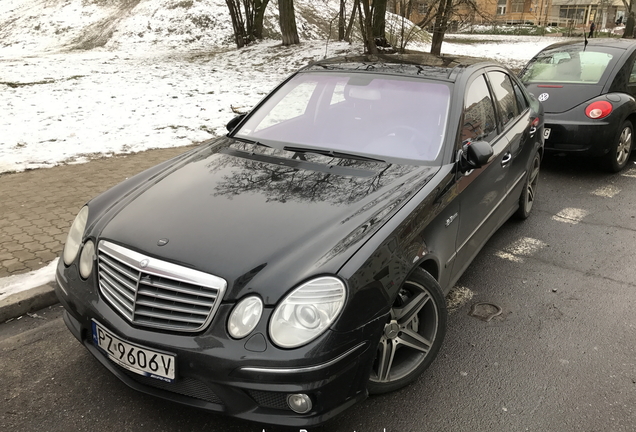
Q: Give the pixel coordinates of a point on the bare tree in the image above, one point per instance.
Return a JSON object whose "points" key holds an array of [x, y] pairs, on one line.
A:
{"points": [[247, 20], [287, 20], [379, 22], [444, 11], [342, 20], [629, 23], [356, 6], [439, 14], [259, 16]]}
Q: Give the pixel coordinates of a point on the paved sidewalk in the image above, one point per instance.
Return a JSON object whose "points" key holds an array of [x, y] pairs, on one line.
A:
{"points": [[39, 206]]}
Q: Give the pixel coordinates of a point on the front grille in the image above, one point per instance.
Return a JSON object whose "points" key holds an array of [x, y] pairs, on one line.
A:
{"points": [[154, 293], [184, 386], [270, 399]]}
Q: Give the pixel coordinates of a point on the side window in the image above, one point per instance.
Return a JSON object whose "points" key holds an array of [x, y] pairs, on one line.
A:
{"points": [[505, 95], [478, 119], [632, 75], [522, 102]]}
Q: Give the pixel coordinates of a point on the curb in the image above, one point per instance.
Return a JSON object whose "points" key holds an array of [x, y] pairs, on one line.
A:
{"points": [[27, 301]]}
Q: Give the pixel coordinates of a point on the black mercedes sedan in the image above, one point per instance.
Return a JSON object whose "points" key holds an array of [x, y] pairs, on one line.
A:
{"points": [[285, 271], [587, 89]]}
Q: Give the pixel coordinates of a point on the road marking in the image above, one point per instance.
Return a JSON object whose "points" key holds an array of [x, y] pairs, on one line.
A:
{"points": [[523, 247], [630, 173], [570, 215], [606, 191]]}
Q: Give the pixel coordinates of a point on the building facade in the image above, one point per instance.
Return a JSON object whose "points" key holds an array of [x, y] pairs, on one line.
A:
{"points": [[563, 13]]}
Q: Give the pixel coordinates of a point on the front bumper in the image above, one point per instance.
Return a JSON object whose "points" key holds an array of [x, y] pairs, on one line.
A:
{"points": [[220, 374], [581, 136]]}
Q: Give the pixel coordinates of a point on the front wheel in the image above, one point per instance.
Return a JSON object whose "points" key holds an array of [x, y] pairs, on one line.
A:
{"points": [[528, 194], [619, 153], [412, 336]]}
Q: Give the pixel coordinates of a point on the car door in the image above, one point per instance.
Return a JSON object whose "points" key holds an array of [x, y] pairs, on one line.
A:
{"points": [[480, 190], [515, 122]]}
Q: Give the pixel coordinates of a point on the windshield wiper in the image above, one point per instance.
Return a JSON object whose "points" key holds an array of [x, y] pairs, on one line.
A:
{"points": [[249, 141], [332, 153]]}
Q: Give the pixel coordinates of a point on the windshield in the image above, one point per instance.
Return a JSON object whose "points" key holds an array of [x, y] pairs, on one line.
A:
{"points": [[567, 65], [364, 114]]}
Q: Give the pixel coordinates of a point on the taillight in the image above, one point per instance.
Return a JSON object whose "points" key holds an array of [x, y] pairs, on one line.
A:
{"points": [[598, 109], [535, 122]]}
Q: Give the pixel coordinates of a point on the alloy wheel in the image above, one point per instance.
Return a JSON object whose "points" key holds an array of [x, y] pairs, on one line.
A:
{"points": [[624, 147], [409, 335], [531, 185]]}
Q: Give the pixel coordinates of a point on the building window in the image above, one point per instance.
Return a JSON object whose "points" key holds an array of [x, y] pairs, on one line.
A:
{"points": [[572, 12], [517, 6], [501, 7]]}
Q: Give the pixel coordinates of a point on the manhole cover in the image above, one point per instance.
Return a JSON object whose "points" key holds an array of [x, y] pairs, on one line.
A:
{"points": [[485, 311]]}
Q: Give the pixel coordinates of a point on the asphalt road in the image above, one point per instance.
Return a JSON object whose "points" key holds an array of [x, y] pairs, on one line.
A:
{"points": [[560, 357]]}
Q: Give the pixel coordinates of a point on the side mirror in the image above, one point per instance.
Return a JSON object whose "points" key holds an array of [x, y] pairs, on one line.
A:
{"points": [[475, 155], [234, 122]]}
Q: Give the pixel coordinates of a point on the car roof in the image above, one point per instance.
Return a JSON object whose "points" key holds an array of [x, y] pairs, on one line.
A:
{"points": [[423, 65], [597, 43]]}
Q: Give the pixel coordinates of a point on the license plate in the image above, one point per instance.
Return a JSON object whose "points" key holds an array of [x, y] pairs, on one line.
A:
{"points": [[546, 133], [135, 358]]}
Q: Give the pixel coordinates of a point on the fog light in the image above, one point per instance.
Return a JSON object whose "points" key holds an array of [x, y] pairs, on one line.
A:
{"points": [[300, 403]]}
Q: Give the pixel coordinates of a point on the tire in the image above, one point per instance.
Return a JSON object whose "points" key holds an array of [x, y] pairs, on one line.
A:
{"points": [[413, 335], [618, 155], [528, 194]]}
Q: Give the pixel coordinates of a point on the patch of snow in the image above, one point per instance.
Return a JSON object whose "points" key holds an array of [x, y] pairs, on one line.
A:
{"points": [[14, 284]]}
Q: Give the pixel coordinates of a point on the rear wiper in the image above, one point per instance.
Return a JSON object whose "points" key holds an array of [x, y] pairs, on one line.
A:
{"points": [[331, 153]]}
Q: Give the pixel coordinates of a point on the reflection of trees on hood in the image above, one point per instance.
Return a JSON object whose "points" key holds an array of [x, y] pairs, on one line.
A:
{"points": [[310, 181]]}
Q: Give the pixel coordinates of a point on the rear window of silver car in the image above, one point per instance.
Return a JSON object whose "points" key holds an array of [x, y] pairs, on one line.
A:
{"points": [[584, 67], [365, 114]]}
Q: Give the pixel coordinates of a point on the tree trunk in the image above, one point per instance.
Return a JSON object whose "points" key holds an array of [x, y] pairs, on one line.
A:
{"points": [[441, 24], [259, 15], [287, 20], [341, 21], [237, 22], [366, 28], [379, 20], [356, 5], [628, 33], [409, 9], [249, 19]]}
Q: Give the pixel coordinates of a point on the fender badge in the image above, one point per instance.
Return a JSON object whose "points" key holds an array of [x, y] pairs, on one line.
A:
{"points": [[144, 263], [543, 97], [162, 242]]}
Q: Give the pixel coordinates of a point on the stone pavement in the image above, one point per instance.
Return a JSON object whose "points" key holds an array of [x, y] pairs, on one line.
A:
{"points": [[38, 206]]}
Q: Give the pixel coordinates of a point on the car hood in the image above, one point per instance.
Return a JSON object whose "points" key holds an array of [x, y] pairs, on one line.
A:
{"points": [[558, 98], [262, 219]]}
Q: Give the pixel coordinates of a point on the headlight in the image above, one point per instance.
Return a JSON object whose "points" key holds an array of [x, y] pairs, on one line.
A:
{"points": [[307, 312], [74, 238], [244, 317], [86, 259]]}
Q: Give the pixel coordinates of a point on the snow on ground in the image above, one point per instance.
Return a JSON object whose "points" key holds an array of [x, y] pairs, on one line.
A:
{"points": [[14, 284], [67, 106]]}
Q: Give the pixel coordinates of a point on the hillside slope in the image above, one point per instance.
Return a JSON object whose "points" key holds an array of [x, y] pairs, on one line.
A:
{"points": [[53, 25]]}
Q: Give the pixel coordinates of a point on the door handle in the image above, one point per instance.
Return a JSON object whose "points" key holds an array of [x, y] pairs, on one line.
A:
{"points": [[506, 159]]}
